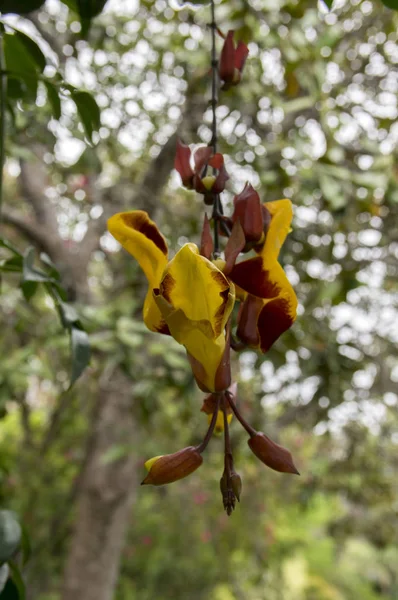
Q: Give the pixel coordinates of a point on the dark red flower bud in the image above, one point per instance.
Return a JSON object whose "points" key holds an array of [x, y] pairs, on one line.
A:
{"points": [[182, 164], [249, 211], [232, 61], [271, 454], [171, 467]]}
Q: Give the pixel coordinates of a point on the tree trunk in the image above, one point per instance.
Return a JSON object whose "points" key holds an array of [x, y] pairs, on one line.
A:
{"points": [[105, 499]]}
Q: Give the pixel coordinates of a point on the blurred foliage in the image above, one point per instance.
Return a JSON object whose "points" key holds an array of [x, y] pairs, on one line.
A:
{"points": [[314, 120]]}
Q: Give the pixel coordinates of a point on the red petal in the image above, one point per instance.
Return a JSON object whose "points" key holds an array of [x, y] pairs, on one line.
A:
{"points": [[227, 58], [206, 242], [181, 163], [234, 247], [217, 161], [274, 319], [201, 158], [252, 278], [241, 54], [221, 180]]}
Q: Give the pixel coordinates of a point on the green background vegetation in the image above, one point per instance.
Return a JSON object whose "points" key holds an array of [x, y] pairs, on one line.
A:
{"points": [[313, 120]]}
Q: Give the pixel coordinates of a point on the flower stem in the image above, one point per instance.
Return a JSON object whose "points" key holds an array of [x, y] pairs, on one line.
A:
{"points": [[250, 430], [227, 441], [3, 93], [217, 206], [214, 64], [202, 447]]}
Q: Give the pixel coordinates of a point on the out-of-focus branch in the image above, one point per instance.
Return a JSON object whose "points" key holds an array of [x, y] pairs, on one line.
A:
{"points": [[33, 180], [31, 231], [147, 194]]}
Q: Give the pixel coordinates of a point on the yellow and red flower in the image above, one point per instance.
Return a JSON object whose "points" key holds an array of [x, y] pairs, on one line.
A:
{"points": [[269, 303], [188, 297], [196, 177]]}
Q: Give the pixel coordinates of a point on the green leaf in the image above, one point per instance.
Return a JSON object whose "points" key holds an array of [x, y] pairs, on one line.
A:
{"points": [[26, 548], [10, 535], [329, 3], [20, 63], [53, 98], [6, 244], [10, 591], [89, 112], [16, 577], [68, 314], [88, 9], [49, 263], [80, 349], [31, 276], [16, 89], [20, 7], [33, 49], [4, 571], [29, 289], [30, 272], [391, 4], [11, 265]]}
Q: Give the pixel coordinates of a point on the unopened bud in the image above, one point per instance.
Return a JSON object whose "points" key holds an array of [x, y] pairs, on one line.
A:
{"points": [[171, 467], [224, 484], [236, 483], [228, 496], [271, 454]]}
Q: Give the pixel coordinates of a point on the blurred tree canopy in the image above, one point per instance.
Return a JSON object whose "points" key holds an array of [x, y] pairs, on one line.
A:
{"points": [[93, 99]]}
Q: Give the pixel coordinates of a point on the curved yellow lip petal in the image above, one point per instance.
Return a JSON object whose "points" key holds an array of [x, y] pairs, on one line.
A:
{"points": [[199, 289], [281, 217], [196, 300], [139, 235]]}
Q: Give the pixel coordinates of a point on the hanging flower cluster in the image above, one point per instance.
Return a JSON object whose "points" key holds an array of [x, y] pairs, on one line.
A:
{"points": [[191, 297]]}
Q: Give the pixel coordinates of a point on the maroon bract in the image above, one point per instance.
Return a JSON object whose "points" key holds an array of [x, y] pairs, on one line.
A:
{"points": [[251, 214], [232, 61]]}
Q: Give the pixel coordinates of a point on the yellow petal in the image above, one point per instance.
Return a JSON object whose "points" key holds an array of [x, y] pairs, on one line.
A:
{"points": [[196, 300], [219, 426], [194, 285], [281, 217], [198, 340], [139, 235]]}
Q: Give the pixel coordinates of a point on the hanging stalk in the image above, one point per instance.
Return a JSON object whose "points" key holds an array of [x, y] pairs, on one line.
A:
{"points": [[3, 93], [217, 209]]}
